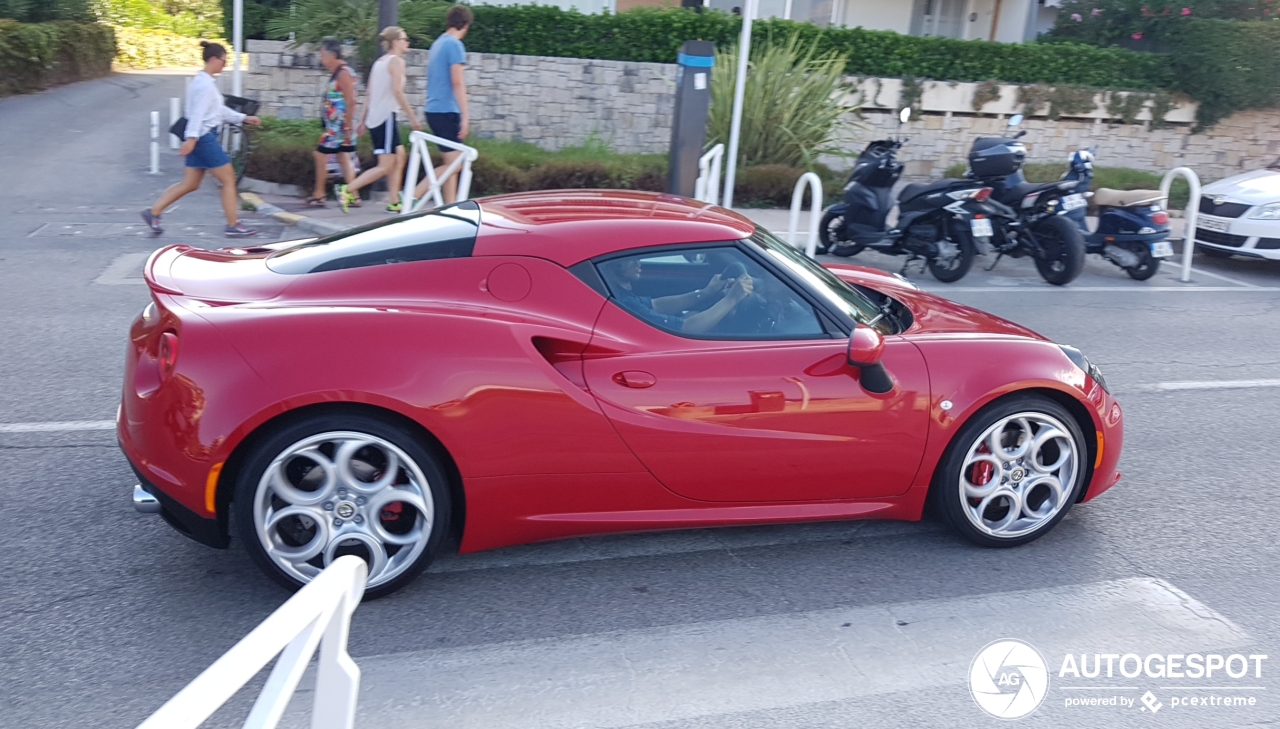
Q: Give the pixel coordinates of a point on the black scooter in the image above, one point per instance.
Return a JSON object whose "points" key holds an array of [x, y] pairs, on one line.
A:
{"points": [[938, 222], [1029, 218]]}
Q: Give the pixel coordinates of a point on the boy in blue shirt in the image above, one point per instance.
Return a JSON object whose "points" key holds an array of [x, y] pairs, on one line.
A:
{"points": [[447, 115]]}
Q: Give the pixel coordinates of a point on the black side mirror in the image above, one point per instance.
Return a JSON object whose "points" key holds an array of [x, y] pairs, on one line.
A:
{"points": [[865, 349]]}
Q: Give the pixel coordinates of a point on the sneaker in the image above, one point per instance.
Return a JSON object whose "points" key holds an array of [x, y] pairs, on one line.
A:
{"points": [[152, 221], [395, 207], [239, 231], [344, 197]]}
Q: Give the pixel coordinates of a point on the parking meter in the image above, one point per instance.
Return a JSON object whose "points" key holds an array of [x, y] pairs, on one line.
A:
{"points": [[689, 125]]}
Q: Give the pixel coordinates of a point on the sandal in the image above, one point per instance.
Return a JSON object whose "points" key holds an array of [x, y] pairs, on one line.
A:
{"points": [[314, 202]]}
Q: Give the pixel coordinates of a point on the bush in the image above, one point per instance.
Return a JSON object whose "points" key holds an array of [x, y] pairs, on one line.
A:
{"points": [[791, 104], [44, 11], [771, 186], [1225, 65], [142, 48], [192, 18], [35, 56]]}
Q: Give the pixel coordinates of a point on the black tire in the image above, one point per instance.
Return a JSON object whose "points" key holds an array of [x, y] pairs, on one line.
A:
{"points": [[955, 269], [947, 493], [829, 240], [244, 508], [1063, 248], [1147, 263], [1214, 252]]}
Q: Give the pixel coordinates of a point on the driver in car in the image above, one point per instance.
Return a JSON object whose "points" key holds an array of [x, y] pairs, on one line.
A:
{"points": [[732, 286]]}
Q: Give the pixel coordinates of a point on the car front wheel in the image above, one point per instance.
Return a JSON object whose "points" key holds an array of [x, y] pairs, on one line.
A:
{"points": [[342, 484], [1012, 472]]}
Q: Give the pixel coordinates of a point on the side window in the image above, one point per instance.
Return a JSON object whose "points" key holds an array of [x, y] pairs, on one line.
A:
{"points": [[713, 293]]}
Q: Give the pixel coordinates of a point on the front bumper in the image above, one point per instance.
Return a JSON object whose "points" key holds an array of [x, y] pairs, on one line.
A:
{"points": [[1243, 237]]}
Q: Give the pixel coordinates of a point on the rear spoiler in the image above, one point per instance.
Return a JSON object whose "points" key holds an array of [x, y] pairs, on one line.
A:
{"points": [[156, 270]]}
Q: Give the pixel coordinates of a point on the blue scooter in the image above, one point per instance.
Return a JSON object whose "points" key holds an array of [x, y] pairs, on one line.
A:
{"points": [[1133, 227]]}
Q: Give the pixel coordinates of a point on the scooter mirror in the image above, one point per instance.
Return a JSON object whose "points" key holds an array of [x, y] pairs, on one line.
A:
{"points": [[904, 116], [1015, 120]]}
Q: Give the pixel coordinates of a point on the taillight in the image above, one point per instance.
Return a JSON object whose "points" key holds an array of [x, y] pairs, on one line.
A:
{"points": [[168, 354], [1160, 218], [982, 194]]}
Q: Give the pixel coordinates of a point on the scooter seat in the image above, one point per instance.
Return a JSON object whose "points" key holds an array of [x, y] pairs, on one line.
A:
{"points": [[1106, 197]]}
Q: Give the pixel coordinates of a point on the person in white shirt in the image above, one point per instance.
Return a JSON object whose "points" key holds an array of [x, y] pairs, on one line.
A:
{"points": [[384, 107], [206, 112]]}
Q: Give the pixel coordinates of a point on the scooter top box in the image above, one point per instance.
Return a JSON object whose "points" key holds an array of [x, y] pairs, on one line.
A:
{"points": [[996, 156]]}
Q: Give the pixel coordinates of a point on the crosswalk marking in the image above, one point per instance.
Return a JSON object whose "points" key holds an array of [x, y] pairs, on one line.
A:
{"points": [[705, 669], [55, 427]]}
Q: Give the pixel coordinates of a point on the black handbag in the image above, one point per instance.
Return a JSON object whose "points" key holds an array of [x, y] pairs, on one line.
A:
{"points": [[179, 128]]}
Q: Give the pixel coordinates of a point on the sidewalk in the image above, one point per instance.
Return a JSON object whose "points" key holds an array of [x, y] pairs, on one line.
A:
{"points": [[330, 219]]}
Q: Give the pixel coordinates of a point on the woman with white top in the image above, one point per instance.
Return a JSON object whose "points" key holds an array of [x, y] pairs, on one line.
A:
{"points": [[205, 113], [385, 106]]}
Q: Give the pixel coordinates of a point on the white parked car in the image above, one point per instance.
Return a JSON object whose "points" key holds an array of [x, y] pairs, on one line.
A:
{"points": [[1241, 216]]}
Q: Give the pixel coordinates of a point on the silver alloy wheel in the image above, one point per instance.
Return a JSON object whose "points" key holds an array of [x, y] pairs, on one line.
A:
{"points": [[1019, 474], [343, 493]]}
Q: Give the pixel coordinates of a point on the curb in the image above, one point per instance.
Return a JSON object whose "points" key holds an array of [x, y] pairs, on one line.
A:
{"points": [[311, 225]]}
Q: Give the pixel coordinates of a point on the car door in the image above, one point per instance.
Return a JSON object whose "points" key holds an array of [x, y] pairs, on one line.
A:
{"points": [[745, 413]]}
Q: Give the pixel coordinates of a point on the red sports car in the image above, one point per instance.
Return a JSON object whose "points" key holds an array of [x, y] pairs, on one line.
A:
{"points": [[554, 364]]}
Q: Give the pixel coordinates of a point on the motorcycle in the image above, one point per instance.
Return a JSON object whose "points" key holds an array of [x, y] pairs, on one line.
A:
{"points": [[1133, 228], [940, 223], [1028, 218]]}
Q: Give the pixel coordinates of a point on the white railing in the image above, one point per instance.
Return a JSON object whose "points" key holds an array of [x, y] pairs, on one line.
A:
{"points": [[707, 188], [815, 211], [318, 615], [421, 157], [1189, 221], [155, 142]]}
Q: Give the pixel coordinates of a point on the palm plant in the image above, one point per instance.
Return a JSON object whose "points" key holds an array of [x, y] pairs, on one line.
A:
{"points": [[793, 103], [356, 22]]}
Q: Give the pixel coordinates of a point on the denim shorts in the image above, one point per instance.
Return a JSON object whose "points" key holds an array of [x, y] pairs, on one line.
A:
{"points": [[208, 153]]}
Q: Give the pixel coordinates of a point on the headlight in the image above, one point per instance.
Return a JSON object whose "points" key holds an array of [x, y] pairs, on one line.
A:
{"points": [[1268, 212], [1083, 363]]}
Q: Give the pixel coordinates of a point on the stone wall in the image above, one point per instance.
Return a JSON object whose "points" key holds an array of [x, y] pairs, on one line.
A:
{"points": [[552, 102], [558, 102]]}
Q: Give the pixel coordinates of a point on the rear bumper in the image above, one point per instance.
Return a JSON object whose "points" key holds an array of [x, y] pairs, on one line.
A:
{"points": [[209, 532]]}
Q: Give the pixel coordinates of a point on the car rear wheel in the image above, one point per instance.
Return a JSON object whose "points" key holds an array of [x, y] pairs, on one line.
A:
{"points": [[1012, 472], [342, 484]]}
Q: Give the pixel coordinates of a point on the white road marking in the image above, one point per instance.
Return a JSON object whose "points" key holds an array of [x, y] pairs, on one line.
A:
{"points": [[57, 427], [1206, 385], [1203, 272], [682, 672], [125, 270]]}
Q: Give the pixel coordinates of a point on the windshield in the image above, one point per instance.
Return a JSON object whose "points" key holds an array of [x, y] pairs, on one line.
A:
{"points": [[842, 295]]}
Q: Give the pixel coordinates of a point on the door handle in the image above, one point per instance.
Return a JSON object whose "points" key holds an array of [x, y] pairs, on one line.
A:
{"points": [[635, 378]]}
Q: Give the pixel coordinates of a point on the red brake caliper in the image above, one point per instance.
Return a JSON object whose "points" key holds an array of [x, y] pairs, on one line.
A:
{"points": [[392, 511], [982, 471]]}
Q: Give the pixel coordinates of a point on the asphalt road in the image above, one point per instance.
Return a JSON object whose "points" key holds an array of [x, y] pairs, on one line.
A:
{"points": [[104, 613]]}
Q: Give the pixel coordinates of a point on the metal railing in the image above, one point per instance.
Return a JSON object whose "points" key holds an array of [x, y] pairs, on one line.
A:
{"points": [[815, 211], [319, 615], [1193, 210], [707, 188], [421, 157]]}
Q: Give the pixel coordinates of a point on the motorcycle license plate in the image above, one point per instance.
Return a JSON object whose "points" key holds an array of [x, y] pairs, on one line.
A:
{"points": [[1161, 249], [1217, 225], [1073, 202], [981, 227]]}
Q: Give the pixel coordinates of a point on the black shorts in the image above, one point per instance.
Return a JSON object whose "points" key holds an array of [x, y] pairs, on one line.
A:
{"points": [[386, 136], [446, 125], [336, 150]]}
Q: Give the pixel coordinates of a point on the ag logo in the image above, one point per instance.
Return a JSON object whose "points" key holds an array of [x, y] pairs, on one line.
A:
{"points": [[1008, 679]]}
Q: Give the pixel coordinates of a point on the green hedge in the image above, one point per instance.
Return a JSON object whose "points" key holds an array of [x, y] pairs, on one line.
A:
{"points": [[646, 34], [35, 56], [1225, 65]]}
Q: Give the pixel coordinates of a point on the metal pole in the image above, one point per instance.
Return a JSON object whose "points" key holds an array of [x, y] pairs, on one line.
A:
{"points": [[1193, 212], [155, 142], [175, 113], [735, 126], [237, 42], [388, 15]]}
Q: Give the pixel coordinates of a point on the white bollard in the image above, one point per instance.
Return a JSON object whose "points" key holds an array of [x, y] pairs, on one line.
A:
{"points": [[1193, 212], [175, 113], [815, 212], [155, 142]]}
